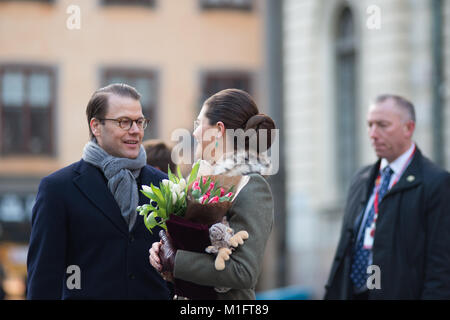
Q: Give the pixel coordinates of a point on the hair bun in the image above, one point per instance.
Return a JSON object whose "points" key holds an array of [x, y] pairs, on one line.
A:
{"points": [[259, 122]]}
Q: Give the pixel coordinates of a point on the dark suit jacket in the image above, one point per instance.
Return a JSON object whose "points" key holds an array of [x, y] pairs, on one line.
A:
{"points": [[412, 236], [76, 221]]}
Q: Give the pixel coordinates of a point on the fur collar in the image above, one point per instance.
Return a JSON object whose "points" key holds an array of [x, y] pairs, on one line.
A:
{"points": [[242, 163]]}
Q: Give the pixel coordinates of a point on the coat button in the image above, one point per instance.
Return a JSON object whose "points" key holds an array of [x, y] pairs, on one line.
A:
{"points": [[131, 276], [131, 239]]}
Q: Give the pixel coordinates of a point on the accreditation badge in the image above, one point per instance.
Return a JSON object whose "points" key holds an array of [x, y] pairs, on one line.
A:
{"points": [[368, 237]]}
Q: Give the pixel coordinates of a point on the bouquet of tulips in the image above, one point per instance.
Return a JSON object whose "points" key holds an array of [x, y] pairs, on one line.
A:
{"points": [[176, 196], [185, 209]]}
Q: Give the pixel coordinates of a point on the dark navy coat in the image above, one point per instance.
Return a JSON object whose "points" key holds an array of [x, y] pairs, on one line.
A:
{"points": [[77, 222], [412, 237]]}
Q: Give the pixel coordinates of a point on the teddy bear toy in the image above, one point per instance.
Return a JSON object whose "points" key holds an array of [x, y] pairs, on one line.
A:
{"points": [[224, 241]]}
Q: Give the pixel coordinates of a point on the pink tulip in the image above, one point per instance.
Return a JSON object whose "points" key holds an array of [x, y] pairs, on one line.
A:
{"points": [[203, 199], [204, 180], [229, 194], [196, 185], [214, 200], [211, 186], [222, 192]]}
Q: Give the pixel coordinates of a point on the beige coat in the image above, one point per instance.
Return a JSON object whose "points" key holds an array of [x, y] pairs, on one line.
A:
{"points": [[252, 211]]}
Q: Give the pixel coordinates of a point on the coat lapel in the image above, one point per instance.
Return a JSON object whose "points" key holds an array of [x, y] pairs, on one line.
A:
{"points": [[410, 178], [91, 183], [368, 179]]}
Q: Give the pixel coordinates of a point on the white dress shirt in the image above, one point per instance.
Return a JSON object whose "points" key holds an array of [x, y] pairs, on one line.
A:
{"points": [[399, 166]]}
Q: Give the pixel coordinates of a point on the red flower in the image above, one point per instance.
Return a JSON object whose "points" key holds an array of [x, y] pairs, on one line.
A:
{"points": [[204, 198], [196, 185], [214, 200], [211, 186]]}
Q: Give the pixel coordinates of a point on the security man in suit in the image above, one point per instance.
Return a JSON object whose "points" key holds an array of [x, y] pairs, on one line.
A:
{"points": [[395, 238]]}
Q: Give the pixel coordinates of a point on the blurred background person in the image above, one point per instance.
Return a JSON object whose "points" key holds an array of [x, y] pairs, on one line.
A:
{"points": [[159, 155], [397, 217]]}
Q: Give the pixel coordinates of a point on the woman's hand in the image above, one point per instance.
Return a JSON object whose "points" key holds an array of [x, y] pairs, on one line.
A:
{"points": [[154, 256], [166, 252], [155, 261]]}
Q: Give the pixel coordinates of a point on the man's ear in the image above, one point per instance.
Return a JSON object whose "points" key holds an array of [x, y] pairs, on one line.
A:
{"points": [[410, 127], [95, 126]]}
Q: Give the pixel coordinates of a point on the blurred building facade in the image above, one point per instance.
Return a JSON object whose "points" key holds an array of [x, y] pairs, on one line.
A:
{"points": [[334, 58], [337, 58], [54, 54]]}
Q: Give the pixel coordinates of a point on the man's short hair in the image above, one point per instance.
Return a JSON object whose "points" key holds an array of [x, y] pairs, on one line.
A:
{"points": [[399, 101], [97, 106]]}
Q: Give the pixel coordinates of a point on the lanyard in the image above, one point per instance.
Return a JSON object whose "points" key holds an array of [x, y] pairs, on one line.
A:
{"points": [[377, 185]]}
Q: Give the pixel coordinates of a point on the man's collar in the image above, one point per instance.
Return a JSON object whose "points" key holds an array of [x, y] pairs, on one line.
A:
{"points": [[398, 164]]}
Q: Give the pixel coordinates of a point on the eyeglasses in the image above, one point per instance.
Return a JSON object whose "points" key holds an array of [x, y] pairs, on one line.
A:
{"points": [[196, 124], [127, 123]]}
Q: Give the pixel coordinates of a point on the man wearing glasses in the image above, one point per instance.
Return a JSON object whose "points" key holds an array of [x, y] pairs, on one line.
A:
{"points": [[86, 239]]}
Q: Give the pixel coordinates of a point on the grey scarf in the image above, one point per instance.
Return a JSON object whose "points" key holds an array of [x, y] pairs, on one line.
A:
{"points": [[121, 174]]}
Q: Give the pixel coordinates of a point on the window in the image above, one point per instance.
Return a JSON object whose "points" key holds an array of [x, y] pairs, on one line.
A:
{"points": [[145, 82], [149, 3], [17, 198], [346, 98], [227, 4], [27, 99], [214, 82]]}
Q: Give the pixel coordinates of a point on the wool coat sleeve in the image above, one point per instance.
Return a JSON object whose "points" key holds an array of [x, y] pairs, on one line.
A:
{"points": [[47, 249], [253, 212], [437, 260]]}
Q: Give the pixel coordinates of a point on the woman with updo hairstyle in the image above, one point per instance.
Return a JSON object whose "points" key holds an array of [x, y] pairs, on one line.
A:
{"points": [[226, 129], [230, 122]]}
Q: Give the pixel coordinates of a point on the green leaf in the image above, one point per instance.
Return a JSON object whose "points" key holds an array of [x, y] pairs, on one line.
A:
{"points": [[223, 199], [216, 193], [162, 224], [231, 189], [151, 196], [172, 177], [169, 203], [143, 210], [162, 213], [203, 187], [145, 193], [194, 172], [158, 194], [150, 221], [196, 194], [180, 176]]}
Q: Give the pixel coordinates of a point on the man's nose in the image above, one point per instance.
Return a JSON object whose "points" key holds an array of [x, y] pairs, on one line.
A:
{"points": [[134, 128], [373, 131]]}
